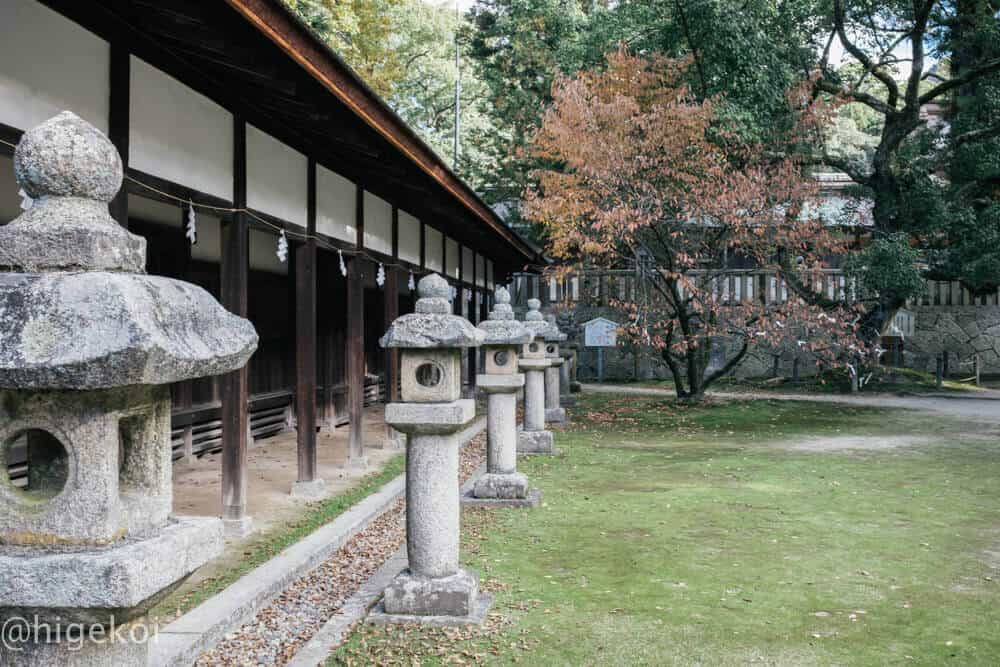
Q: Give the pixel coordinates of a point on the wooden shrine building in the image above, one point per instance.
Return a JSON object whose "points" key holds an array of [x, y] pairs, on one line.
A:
{"points": [[233, 108]]}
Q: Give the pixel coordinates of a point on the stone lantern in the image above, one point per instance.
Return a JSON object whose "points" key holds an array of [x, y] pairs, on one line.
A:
{"points": [[554, 413], [502, 485], [430, 341], [534, 439], [568, 353], [88, 346]]}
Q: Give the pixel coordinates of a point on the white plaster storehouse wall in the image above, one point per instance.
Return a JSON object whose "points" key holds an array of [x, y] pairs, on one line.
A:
{"points": [[277, 177], [489, 274], [336, 205], [452, 250], [409, 238], [432, 249], [69, 70], [480, 271], [378, 224], [178, 134]]}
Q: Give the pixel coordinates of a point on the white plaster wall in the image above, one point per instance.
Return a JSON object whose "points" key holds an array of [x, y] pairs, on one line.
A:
{"points": [[489, 274], [49, 64], [468, 257], [336, 205], [409, 238], [452, 258], [432, 248], [480, 270], [178, 134], [378, 224], [10, 202], [263, 252], [276, 177]]}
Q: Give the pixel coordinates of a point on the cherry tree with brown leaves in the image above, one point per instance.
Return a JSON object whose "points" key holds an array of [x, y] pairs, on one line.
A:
{"points": [[643, 175]]}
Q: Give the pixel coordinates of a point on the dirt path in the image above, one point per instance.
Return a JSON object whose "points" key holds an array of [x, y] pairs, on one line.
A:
{"points": [[985, 408]]}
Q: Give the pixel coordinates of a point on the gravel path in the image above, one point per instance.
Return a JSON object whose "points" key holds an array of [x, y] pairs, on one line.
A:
{"points": [[277, 632], [985, 409]]}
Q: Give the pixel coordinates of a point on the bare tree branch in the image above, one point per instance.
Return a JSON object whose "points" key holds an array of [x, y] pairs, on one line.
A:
{"points": [[988, 67]]}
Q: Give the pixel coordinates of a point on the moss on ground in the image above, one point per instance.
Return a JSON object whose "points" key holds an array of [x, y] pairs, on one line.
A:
{"points": [[673, 534]]}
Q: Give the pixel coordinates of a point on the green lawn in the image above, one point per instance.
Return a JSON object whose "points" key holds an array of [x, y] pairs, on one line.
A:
{"points": [[704, 535]]}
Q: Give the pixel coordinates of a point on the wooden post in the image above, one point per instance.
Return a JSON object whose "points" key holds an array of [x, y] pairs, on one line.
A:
{"points": [[978, 368], [305, 339], [356, 347], [235, 385], [185, 389], [795, 369], [775, 366], [118, 121], [939, 371], [944, 366]]}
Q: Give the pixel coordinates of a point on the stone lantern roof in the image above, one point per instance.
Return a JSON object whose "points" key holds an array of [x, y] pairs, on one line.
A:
{"points": [[76, 308], [552, 333], [432, 325], [501, 328]]}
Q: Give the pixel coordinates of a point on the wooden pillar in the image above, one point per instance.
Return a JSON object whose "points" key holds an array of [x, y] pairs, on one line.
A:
{"points": [[185, 389], [235, 385], [391, 312], [355, 347], [474, 318], [305, 339], [118, 121]]}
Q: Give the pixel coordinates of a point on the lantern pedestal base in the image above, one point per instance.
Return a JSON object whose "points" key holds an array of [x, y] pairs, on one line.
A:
{"points": [[533, 498], [535, 442], [122, 645], [452, 600], [511, 485], [555, 416], [312, 490]]}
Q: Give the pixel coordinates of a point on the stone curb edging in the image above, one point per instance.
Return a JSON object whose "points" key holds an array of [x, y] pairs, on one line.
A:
{"points": [[180, 643], [318, 649]]}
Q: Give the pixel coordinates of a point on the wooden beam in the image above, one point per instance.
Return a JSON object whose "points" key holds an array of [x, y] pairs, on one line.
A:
{"points": [[355, 349], [118, 121], [305, 338], [235, 385]]}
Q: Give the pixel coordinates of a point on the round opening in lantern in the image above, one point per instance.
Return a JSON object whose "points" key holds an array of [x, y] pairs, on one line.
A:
{"points": [[35, 465], [501, 357], [429, 375], [551, 349], [533, 347]]}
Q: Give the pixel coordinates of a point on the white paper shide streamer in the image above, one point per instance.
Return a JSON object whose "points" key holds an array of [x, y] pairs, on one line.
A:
{"points": [[380, 276], [412, 285], [282, 247], [191, 230], [343, 267]]}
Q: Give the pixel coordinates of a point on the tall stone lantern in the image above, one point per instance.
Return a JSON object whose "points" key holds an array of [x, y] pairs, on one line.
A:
{"points": [[88, 346], [554, 413], [533, 438], [502, 485], [433, 589]]}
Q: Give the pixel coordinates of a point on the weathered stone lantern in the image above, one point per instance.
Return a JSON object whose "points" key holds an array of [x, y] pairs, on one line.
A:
{"points": [[432, 412], [568, 353], [533, 438], [502, 485], [554, 413], [88, 345]]}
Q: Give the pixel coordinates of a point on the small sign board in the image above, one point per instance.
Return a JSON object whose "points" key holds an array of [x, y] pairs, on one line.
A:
{"points": [[600, 332]]}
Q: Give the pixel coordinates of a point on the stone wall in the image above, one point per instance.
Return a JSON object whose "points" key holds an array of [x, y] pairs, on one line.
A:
{"points": [[962, 331]]}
